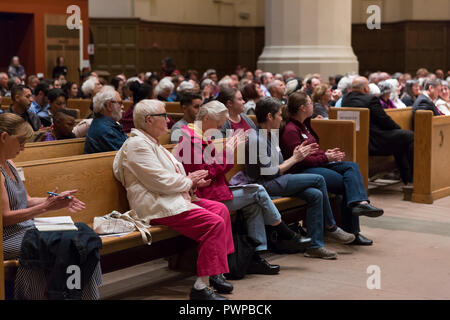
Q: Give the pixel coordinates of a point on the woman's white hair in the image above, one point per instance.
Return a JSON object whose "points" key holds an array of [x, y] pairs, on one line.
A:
{"points": [[214, 109], [107, 93], [225, 82], [374, 90], [144, 108], [165, 84], [394, 84], [184, 87], [89, 85]]}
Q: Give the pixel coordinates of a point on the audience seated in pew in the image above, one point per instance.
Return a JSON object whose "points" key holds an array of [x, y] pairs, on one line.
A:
{"points": [[105, 133], [197, 152], [411, 92], [63, 123], [57, 100], [430, 95], [161, 193], [19, 209], [385, 137], [341, 177], [22, 97], [190, 103], [273, 176]]}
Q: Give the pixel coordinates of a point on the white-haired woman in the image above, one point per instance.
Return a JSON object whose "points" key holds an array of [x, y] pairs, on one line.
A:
{"points": [[164, 88], [161, 193], [197, 152], [395, 93], [90, 88], [385, 93], [105, 133]]}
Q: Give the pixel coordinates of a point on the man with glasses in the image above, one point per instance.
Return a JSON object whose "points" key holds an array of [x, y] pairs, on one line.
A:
{"points": [[105, 133]]}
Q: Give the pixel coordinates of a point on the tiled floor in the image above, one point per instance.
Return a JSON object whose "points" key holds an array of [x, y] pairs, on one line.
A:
{"points": [[411, 248]]}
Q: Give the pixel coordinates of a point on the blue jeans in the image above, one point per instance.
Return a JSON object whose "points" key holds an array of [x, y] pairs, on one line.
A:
{"points": [[258, 210], [344, 178], [311, 188]]}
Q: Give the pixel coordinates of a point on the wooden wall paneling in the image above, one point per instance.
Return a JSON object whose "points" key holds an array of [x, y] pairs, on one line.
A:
{"points": [[60, 41]]}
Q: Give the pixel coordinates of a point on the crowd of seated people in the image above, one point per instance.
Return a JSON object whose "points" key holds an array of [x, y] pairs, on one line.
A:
{"points": [[195, 198]]}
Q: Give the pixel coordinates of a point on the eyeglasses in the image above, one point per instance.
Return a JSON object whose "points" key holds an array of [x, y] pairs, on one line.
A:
{"points": [[118, 102], [159, 115]]}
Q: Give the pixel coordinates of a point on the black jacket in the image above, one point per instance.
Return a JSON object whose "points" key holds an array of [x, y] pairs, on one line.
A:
{"points": [[55, 251], [29, 116], [424, 103], [380, 123]]}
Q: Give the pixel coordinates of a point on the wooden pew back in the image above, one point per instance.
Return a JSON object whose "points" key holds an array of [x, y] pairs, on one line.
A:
{"points": [[173, 107], [362, 119], [403, 117], [6, 101], [431, 154], [51, 149], [91, 175], [83, 105]]}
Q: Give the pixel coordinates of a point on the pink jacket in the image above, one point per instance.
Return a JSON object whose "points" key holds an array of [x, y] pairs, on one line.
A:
{"points": [[218, 189]]}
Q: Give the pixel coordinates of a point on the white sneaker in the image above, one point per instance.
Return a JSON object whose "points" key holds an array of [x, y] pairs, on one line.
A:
{"points": [[339, 236]]}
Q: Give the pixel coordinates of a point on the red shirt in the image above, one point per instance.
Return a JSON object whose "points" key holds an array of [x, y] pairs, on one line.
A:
{"points": [[240, 125], [218, 189], [293, 135]]}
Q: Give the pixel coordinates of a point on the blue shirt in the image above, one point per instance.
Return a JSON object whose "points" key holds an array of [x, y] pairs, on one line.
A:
{"points": [[104, 135], [42, 112]]}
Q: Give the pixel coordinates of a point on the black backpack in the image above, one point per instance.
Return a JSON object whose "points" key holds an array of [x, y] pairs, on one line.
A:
{"points": [[244, 248]]}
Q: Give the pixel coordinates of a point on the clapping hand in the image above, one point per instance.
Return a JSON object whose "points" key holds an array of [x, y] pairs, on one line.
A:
{"points": [[197, 177], [303, 150], [334, 155]]}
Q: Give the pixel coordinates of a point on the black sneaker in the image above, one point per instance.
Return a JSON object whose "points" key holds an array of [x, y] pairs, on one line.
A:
{"points": [[205, 294], [220, 284]]}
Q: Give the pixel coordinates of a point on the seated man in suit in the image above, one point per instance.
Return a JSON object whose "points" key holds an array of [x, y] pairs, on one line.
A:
{"points": [[428, 97], [386, 137], [105, 133]]}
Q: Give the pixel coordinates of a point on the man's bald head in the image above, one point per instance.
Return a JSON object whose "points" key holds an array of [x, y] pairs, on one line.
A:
{"points": [[361, 85]]}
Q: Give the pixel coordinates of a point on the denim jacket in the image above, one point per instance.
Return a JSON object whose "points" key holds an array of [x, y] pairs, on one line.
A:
{"points": [[104, 135]]}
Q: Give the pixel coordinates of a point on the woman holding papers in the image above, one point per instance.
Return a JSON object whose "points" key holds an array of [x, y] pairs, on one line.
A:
{"points": [[19, 209]]}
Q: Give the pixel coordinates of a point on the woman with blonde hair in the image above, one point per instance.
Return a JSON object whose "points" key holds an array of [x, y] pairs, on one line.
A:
{"points": [[321, 96], [19, 209]]}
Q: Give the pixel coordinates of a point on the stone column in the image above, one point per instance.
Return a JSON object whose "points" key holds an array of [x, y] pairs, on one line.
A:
{"points": [[308, 36]]}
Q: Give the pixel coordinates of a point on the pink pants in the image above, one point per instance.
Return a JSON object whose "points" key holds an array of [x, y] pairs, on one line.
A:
{"points": [[211, 228]]}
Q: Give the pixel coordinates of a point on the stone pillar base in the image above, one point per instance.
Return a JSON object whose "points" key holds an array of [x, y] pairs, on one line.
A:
{"points": [[303, 59]]}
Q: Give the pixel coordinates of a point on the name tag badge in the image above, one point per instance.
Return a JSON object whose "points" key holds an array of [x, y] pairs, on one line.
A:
{"points": [[304, 136], [21, 174]]}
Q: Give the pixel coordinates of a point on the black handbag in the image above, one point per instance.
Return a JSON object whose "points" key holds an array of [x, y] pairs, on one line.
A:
{"points": [[244, 249]]}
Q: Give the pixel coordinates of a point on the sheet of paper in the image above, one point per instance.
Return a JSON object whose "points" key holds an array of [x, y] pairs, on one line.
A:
{"points": [[56, 227], [53, 220], [349, 115]]}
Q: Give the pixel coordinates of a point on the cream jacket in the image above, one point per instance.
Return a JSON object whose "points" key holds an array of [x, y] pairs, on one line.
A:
{"points": [[154, 186]]}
